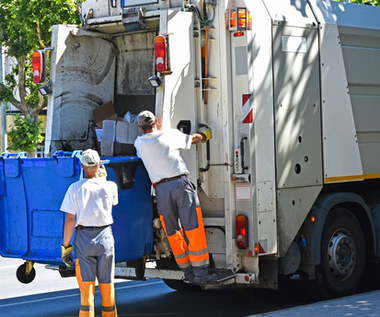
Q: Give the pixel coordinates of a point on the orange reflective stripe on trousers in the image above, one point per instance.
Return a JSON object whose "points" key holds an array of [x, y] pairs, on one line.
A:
{"points": [[108, 299], [87, 292], [198, 253], [178, 245]]}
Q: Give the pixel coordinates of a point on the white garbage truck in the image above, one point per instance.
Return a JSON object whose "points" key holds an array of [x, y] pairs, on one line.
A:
{"points": [[290, 182]]}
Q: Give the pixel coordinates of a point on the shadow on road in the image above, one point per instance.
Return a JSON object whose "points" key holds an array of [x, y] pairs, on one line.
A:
{"points": [[154, 298]]}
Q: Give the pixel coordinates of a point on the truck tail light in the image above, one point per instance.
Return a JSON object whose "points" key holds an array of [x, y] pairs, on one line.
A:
{"points": [[241, 231], [238, 19], [160, 53], [38, 66]]}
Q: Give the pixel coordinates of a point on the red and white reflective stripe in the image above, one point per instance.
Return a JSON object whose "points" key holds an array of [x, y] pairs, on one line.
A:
{"points": [[247, 112], [261, 249]]}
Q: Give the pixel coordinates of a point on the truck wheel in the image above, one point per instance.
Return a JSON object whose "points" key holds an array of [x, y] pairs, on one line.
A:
{"points": [[21, 274], [342, 254]]}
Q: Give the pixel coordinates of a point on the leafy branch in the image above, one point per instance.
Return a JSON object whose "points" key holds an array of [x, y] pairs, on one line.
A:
{"points": [[25, 135]]}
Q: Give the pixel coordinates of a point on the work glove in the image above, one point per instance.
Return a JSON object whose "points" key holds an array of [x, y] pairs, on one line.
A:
{"points": [[102, 171], [206, 133], [67, 255]]}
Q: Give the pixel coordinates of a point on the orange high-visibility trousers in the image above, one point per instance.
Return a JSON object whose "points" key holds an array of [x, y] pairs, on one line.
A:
{"points": [[87, 293], [177, 199], [108, 299], [94, 249]]}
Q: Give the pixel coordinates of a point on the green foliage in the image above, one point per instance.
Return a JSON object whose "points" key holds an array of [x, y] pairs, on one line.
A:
{"points": [[25, 25], [25, 135], [19, 21], [368, 2]]}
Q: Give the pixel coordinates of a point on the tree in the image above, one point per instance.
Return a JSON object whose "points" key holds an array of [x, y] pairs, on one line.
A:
{"points": [[24, 27], [369, 2], [25, 135]]}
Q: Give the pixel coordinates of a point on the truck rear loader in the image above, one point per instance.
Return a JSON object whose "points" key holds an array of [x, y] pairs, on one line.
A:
{"points": [[289, 183]]}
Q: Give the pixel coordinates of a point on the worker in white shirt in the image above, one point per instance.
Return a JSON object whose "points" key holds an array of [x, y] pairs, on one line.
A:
{"points": [[176, 196], [88, 204]]}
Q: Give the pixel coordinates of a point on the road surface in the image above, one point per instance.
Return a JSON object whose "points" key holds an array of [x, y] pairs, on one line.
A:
{"points": [[50, 295]]}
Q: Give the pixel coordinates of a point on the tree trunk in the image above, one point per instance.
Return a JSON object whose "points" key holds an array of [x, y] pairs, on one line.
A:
{"points": [[22, 105]]}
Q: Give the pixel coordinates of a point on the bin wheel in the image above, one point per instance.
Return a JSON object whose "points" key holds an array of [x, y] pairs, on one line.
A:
{"points": [[23, 277]]}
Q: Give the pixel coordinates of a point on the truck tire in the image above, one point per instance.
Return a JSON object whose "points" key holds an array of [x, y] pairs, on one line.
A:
{"points": [[342, 254]]}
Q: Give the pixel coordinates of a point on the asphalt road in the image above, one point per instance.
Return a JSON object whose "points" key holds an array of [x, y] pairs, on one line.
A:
{"points": [[50, 295], [150, 298]]}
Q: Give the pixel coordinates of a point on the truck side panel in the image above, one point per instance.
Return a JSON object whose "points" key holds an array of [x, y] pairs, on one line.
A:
{"points": [[359, 44], [298, 126], [340, 26]]}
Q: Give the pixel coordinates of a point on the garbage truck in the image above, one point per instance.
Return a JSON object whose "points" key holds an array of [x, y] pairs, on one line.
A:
{"points": [[289, 183]]}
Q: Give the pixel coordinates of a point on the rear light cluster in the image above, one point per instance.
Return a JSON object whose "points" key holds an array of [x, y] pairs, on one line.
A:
{"points": [[242, 231], [238, 19], [160, 48], [38, 66]]}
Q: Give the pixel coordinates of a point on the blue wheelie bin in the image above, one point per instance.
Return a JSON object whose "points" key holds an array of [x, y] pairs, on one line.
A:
{"points": [[31, 193]]}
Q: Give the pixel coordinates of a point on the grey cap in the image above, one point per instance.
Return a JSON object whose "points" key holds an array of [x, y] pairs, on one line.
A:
{"points": [[146, 119], [90, 158]]}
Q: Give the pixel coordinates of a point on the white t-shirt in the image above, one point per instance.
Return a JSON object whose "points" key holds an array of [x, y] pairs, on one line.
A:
{"points": [[160, 152], [91, 201]]}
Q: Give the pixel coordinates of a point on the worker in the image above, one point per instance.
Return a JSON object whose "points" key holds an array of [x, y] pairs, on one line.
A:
{"points": [[88, 204], [176, 196]]}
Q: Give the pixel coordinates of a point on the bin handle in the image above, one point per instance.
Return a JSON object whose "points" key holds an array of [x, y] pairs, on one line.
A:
{"points": [[71, 154], [62, 153]]}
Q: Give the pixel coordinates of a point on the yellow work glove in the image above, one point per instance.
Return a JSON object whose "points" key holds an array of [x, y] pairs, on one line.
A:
{"points": [[206, 133], [102, 171], [67, 255]]}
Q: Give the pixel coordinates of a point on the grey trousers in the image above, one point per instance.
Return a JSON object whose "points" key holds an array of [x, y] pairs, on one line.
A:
{"points": [[96, 253]]}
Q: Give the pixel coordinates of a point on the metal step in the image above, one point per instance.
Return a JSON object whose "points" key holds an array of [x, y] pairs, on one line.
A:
{"points": [[222, 274]]}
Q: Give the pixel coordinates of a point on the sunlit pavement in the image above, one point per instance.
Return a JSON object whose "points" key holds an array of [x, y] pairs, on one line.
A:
{"points": [[366, 304]]}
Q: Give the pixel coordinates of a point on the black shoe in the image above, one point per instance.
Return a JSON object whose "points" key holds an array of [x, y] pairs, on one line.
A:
{"points": [[188, 278], [204, 279]]}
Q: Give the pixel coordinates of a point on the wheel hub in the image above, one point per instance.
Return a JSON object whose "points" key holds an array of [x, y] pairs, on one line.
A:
{"points": [[341, 255]]}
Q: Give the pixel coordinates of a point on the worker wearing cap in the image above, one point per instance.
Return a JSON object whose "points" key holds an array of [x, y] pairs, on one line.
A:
{"points": [[176, 196], [88, 204]]}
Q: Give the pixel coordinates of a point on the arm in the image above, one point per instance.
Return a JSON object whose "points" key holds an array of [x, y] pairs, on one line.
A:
{"points": [[68, 229]]}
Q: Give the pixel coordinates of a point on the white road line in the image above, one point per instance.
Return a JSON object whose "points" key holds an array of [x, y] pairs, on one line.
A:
{"points": [[74, 295], [9, 266]]}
